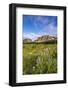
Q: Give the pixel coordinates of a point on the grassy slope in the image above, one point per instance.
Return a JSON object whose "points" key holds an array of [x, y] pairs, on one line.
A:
{"points": [[39, 58]]}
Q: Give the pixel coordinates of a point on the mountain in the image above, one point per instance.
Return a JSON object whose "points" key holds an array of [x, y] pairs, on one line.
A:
{"points": [[27, 40], [44, 38]]}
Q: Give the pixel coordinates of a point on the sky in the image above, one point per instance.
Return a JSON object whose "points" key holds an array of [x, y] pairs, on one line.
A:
{"points": [[35, 26]]}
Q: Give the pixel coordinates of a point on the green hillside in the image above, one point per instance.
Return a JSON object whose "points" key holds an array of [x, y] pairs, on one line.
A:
{"points": [[39, 58]]}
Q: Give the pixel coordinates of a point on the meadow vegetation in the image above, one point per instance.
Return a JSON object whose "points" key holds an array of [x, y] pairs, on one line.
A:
{"points": [[39, 58]]}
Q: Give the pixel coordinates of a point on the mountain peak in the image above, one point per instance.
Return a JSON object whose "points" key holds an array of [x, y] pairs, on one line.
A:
{"points": [[43, 38]]}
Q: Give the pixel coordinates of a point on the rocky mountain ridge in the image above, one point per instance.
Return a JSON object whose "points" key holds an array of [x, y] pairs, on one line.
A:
{"points": [[45, 38]]}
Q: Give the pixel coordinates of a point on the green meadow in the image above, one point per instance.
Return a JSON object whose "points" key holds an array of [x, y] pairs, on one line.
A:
{"points": [[39, 58]]}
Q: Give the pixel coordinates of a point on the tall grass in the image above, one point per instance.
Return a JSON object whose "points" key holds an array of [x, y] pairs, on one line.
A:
{"points": [[39, 58]]}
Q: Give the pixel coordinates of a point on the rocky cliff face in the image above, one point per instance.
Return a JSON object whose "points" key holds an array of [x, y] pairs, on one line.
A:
{"points": [[44, 38]]}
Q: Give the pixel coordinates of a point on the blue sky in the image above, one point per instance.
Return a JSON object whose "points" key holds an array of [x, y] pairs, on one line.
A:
{"points": [[36, 26]]}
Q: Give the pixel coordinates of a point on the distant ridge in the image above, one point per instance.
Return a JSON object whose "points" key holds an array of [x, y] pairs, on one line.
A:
{"points": [[27, 40], [43, 39]]}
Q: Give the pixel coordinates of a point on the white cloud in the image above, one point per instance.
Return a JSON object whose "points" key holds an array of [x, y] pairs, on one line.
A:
{"points": [[44, 27], [47, 30], [33, 36]]}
